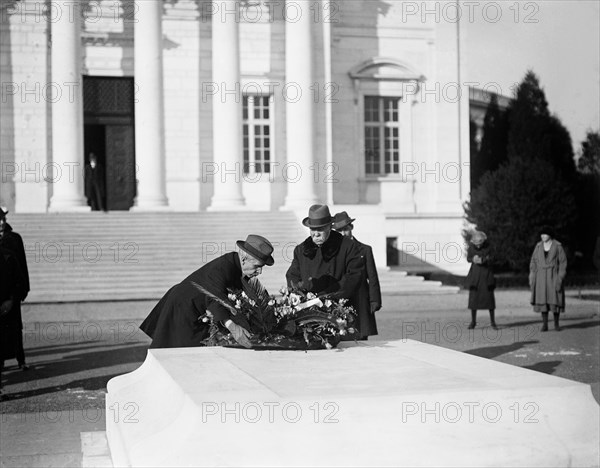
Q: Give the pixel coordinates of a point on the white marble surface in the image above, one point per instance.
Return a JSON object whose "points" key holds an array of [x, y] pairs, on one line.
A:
{"points": [[401, 403]]}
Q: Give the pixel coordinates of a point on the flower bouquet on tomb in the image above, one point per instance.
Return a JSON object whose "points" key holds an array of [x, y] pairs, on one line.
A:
{"points": [[295, 319]]}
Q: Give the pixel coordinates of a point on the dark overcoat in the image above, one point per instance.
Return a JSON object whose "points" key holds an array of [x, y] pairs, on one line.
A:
{"points": [[368, 292], [13, 242], [547, 274], [335, 267], [173, 323], [12, 287], [480, 280]]}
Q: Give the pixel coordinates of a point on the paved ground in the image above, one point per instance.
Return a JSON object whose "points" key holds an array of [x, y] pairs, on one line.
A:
{"points": [[75, 349]]}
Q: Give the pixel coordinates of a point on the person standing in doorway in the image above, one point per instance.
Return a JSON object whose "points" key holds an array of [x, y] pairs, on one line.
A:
{"points": [[94, 183]]}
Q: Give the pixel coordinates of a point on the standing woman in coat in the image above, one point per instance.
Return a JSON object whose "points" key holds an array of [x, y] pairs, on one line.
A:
{"points": [[480, 280], [547, 271]]}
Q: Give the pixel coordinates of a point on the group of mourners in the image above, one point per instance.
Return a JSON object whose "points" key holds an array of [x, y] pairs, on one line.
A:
{"points": [[547, 271], [330, 261]]}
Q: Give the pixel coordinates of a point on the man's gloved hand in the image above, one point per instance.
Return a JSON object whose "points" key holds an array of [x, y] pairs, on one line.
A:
{"points": [[239, 333]]}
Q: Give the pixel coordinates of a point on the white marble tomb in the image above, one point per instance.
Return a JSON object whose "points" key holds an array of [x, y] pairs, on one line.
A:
{"points": [[399, 403]]}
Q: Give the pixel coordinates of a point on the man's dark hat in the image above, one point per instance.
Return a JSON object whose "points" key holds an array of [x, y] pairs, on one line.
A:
{"points": [[318, 217], [259, 247], [3, 212], [341, 220]]}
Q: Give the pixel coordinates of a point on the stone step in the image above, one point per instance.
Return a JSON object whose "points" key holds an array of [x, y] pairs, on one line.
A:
{"points": [[133, 256]]}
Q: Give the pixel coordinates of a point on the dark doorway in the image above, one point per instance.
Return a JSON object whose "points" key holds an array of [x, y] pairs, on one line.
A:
{"points": [[109, 138]]}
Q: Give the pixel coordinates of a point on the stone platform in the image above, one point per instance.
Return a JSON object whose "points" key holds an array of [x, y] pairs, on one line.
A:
{"points": [[400, 403]]}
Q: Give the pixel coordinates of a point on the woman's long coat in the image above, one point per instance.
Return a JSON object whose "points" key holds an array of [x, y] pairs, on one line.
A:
{"points": [[368, 292], [480, 280], [173, 323], [547, 274], [335, 267]]}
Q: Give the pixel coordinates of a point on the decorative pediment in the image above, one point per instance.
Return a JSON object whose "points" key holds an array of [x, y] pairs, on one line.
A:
{"points": [[388, 69]]}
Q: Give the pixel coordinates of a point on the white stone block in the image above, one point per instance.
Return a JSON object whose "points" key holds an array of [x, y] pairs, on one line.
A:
{"points": [[401, 403]]}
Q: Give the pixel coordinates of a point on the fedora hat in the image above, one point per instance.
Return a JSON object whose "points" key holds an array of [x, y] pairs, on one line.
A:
{"points": [[318, 217], [341, 220], [259, 247]]}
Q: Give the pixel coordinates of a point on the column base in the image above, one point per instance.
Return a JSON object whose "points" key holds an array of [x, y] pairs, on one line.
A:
{"points": [[229, 204], [151, 204], [299, 204], [76, 205]]}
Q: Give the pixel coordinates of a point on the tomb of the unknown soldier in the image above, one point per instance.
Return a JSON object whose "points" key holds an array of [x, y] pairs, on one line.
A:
{"points": [[408, 403]]}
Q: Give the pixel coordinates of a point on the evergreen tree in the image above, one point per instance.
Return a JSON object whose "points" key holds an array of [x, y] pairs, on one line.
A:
{"points": [[528, 119], [589, 156], [492, 152], [513, 203], [534, 133]]}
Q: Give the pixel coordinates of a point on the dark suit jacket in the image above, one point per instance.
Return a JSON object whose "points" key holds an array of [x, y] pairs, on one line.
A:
{"points": [[12, 286], [368, 292], [335, 267], [12, 241], [174, 323]]}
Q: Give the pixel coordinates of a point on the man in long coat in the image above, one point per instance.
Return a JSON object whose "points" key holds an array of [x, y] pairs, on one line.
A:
{"points": [[13, 242], [368, 296], [12, 286], [174, 321], [326, 262]]}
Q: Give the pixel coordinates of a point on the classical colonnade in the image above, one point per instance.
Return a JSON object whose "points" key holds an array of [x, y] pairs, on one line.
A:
{"points": [[67, 114]]}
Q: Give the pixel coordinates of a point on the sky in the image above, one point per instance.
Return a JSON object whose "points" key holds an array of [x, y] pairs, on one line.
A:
{"points": [[558, 40]]}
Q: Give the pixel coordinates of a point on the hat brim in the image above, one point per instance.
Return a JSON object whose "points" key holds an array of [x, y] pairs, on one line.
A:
{"points": [[306, 222], [343, 224], [267, 259]]}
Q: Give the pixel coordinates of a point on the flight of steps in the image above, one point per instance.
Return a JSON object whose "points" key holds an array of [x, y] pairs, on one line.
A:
{"points": [[133, 256]]}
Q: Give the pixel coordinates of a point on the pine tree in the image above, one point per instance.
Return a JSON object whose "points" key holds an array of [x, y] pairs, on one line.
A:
{"points": [[492, 152]]}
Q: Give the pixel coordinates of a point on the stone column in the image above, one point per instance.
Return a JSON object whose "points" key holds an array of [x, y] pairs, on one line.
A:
{"points": [[149, 106], [299, 107], [67, 111], [227, 109]]}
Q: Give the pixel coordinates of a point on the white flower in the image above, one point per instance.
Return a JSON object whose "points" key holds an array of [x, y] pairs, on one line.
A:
{"points": [[310, 295], [328, 303], [328, 345], [205, 319], [238, 304], [231, 297], [294, 299], [271, 302], [244, 295], [351, 330], [283, 290], [342, 332], [252, 302], [343, 301]]}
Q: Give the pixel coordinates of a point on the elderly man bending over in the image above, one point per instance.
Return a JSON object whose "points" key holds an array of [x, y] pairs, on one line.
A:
{"points": [[174, 323]]}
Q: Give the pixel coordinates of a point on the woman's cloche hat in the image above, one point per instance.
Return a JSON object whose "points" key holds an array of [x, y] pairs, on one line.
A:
{"points": [[259, 247]]}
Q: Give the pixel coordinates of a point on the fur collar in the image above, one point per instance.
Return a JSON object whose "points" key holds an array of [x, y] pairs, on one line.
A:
{"points": [[329, 249]]}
